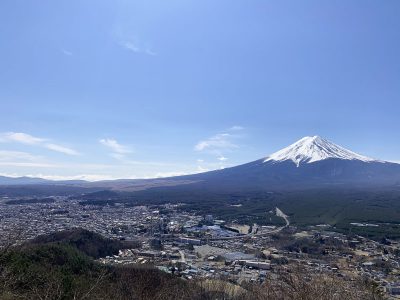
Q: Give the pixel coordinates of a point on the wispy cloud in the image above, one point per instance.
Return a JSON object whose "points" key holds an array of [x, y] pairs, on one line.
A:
{"points": [[150, 52], [116, 147], [61, 149], [132, 40], [219, 141], [201, 169], [27, 139], [87, 177], [66, 52], [27, 164], [21, 137], [130, 46], [236, 128], [218, 145], [168, 174], [17, 155], [22, 159], [118, 151], [137, 47], [205, 166]]}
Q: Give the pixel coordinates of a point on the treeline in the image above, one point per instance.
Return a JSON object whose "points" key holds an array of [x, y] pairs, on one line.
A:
{"points": [[92, 244]]}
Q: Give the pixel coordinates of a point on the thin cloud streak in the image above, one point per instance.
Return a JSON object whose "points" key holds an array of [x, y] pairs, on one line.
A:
{"points": [[17, 155], [21, 137], [218, 141], [218, 145], [115, 146], [134, 47], [66, 52], [28, 165], [236, 128], [61, 149], [27, 139], [130, 46]]}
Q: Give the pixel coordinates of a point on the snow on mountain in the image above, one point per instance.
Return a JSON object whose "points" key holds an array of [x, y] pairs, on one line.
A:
{"points": [[314, 148]]}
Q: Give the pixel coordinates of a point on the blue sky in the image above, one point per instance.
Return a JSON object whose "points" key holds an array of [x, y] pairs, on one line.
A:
{"points": [[132, 89]]}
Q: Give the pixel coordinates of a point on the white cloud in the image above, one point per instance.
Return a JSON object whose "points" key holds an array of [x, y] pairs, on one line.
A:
{"points": [[116, 147], [66, 52], [169, 174], [394, 161], [64, 166], [150, 52], [21, 137], [219, 141], [137, 48], [12, 175], [209, 166], [27, 139], [87, 177], [236, 128], [22, 159], [130, 46], [17, 155], [61, 149], [218, 145], [201, 169], [129, 39], [27, 164]]}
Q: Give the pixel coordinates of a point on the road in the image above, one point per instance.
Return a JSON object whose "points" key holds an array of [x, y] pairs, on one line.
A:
{"points": [[281, 214], [183, 260]]}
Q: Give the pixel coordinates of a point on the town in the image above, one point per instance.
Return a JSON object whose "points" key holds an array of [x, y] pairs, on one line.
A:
{"points": [[194, 246]]}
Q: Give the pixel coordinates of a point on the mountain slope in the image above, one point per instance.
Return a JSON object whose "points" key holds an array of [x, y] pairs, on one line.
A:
{"points": [[310, 162]]}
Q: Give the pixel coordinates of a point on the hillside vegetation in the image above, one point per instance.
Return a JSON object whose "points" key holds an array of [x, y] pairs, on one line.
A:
{"points": [[62, 266]]}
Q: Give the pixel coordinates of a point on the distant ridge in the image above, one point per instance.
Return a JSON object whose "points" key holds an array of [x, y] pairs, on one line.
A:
{"points": [[5, 180]]}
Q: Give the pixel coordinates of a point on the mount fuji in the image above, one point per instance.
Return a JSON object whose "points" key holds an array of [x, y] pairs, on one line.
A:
{"points": [[312, 149], [310, 162]]}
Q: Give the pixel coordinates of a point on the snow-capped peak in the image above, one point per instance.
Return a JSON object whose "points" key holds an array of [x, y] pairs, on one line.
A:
{"points": [[314, 148]]}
